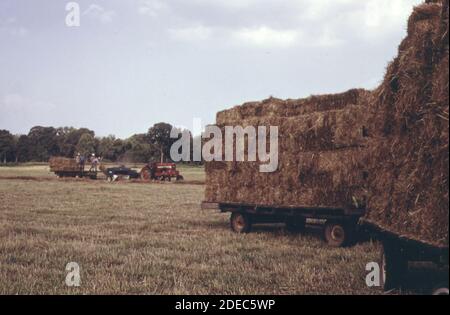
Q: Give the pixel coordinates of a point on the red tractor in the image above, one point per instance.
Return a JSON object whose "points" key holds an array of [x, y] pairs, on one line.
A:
{"points": [[160, 171]]}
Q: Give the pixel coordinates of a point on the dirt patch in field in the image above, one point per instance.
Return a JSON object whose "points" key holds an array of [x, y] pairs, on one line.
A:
{"points": [[133, 181], [45, 179]]}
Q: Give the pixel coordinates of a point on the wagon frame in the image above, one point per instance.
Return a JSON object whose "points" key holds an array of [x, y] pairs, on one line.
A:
{"points": [[398, 250], [76, 174], [341, 224]]}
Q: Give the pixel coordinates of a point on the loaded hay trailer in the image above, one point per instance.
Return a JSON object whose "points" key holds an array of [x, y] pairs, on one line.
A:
{"points": [[65, 167], [408, 185], [321, 172]]}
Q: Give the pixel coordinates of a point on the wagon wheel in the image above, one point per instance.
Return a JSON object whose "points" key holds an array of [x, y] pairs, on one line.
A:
{"points": [[394, 266], [336, 234], [240, 222], [145, 173], [441, 290]]}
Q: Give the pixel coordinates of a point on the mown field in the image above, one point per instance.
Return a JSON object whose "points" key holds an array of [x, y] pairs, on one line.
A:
{"points": [[155, 239]]}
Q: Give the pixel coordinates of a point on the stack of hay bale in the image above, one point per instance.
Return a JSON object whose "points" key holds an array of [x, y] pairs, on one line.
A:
{"points": [[326, 158], [409, 152], [60, 164], [321, 153]]}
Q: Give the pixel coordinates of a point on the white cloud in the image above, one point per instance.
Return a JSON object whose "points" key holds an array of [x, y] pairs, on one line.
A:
{"points": [[382, 15], [265, 36], [19, 111], [327, 38], [99, 13], [12, 102], [9, 26], [196, 33], [152, 7], [370, 18], [234, 4]]}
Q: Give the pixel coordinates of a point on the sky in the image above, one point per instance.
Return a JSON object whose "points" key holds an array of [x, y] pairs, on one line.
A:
{"points": [[130, 64]]}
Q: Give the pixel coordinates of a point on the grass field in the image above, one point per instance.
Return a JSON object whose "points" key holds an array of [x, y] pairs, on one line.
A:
{"points": [[155, 239]]}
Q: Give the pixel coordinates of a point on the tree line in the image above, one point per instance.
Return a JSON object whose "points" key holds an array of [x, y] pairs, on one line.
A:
{"points": [[43, 142]]}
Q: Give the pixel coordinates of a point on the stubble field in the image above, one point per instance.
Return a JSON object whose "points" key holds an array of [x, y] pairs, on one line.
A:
{"points": [[131, 238]]}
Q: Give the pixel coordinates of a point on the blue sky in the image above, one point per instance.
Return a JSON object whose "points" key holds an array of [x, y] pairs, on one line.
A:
{"points": [[133, 63]]}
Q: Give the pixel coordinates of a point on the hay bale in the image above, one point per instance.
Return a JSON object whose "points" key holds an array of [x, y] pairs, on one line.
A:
{"points": [[60, 164], [321, 154], [289, 108], [322, 178], [409, 152]]}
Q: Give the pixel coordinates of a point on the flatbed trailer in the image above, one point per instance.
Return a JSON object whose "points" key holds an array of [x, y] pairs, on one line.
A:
{"points": [[77, 174], [340, 224], [396, 253]]}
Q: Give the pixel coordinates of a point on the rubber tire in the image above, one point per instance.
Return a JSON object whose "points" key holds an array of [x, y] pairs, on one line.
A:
{"points": [[336, 234], [145, 174], [393, 267], [441, 291], [240, 223]]}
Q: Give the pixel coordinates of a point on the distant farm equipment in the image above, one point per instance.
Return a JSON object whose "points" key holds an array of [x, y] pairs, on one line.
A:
{"points": [[161, 172], [64, 167], [121, 172]]}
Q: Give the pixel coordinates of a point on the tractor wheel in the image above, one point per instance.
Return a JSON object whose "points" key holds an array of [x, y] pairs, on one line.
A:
{"points": [[336, 234], [441, 290], [179, 177], [240, 222], [393, 265], [145, 174], [296, 225]]}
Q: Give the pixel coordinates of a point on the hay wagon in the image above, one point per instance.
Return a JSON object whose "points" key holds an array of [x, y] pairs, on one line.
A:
{"points": [[341, 224], [398, 250], [65, 167], [321, 168]]}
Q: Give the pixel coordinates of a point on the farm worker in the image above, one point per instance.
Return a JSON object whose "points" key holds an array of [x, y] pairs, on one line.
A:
{"points": [[94, 162], [152, 171], [77, 158], [82, 162]]}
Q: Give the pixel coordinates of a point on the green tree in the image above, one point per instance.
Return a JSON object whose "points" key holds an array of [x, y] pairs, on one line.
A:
{"points": [[23, 149], [87, 144], [7, 146], [139, 149], [105, 147], [43, 143], [159, 139], [119, 148], [68, 138]]}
